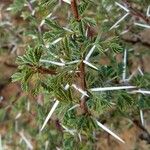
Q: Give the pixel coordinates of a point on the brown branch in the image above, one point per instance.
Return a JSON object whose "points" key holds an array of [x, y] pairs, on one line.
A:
{"points": [[139, 15], [135, 12], [146, 135], [39, 69], [81, 74], [83, 86], [43, 70], [10, 65], [75, 10]]}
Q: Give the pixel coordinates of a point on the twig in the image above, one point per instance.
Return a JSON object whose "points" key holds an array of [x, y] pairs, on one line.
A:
{"points": [[145, 137], [75, 10], [136, 13], [10, 65], [43, 70], [81, 74], [83, 86]]}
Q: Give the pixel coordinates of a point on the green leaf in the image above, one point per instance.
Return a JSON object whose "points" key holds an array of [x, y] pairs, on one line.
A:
{"points": [[28, 75], [83, 7], [66, 47], [52, 24], [116, 47], [17, 77], [17, 5]]}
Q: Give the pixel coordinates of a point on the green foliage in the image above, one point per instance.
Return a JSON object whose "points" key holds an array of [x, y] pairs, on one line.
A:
{"points": [[18, 5]]}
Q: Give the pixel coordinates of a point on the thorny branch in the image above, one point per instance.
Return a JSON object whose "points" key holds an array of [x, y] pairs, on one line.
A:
{"points": [[81, 74], [136, 13], [43, 70], [75, 10], [83, 86]]}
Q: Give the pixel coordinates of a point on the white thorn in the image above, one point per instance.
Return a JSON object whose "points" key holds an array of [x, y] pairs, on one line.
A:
{"points": [[73, 107], [46, 145], [67, 1], [52, 62], [29, 145], [56, 41], [141, 111], [16, 125], [124, 65], [121, 19], [80, 138], [1, 147], [61, 59], [144, 92], [142, 117], [28, 105], [68, 130], [112, 88], [67, 29], [1, 98], [123, 32], [9, 8], [148, 12], [66, 86], [54, 55], [90, 53], [33, 13], [121, 6], [142, 25], [43, 21], [109, 8], [90, 65], [18, 115], [82, 97], [80, 90], [141, 72], [50, 114], [109, 131], [32, 1], [86, 32], [131, 76]]}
